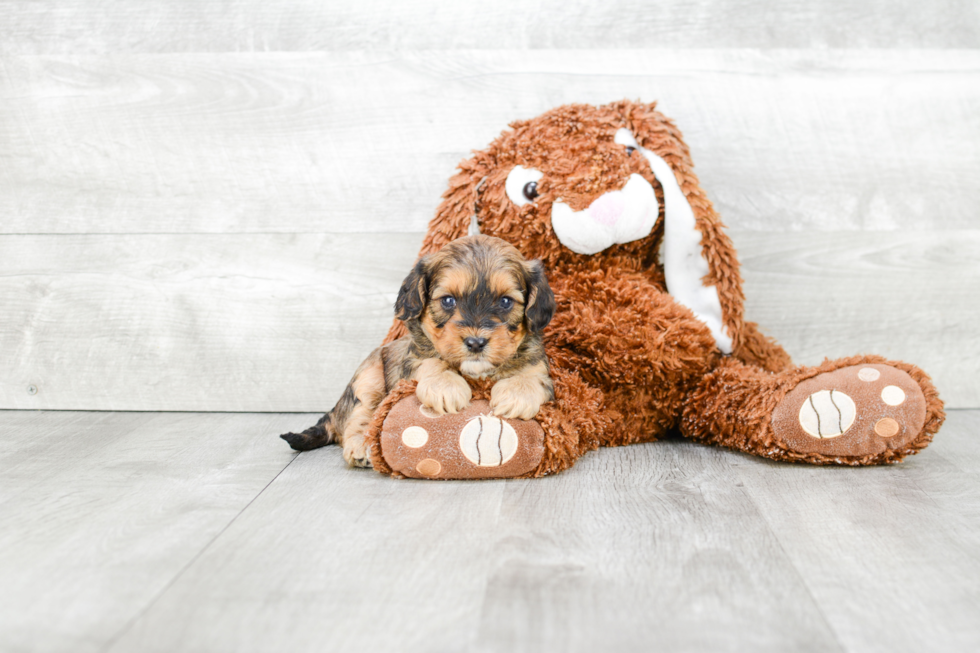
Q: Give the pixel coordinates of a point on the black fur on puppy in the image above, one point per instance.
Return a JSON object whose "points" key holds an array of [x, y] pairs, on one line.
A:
{"points": [[475, 308]]}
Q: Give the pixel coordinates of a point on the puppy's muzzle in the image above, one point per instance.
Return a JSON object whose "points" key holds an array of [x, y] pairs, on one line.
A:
{"points": [[475, 345]]}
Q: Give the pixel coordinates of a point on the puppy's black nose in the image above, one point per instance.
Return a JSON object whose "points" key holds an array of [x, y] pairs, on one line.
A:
{"points": [[475, 344]]}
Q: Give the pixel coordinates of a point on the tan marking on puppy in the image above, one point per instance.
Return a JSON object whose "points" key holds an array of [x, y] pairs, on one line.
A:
{"points": [[504, 346], [520, 396], [440, 388], [505, 282], [355, 446], [497, 298], [369, 385], [455, 281], [447, 339], [369, 390]]}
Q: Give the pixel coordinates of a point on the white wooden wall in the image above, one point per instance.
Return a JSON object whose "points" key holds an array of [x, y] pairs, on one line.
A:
{"points": [[209, 205]]}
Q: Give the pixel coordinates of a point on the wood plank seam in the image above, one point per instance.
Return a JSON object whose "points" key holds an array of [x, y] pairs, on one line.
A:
{"points": [[782, 547], [190, 563]]}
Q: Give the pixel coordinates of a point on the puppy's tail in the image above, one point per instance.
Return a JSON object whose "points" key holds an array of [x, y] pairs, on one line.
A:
{"points": [[319, 435]]}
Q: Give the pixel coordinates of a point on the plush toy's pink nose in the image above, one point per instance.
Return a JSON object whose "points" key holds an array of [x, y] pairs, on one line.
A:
{"points": [[607, 209]]}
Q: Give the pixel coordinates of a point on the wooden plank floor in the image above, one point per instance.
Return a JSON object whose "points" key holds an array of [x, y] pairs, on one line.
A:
{"points": [[203, 532]]}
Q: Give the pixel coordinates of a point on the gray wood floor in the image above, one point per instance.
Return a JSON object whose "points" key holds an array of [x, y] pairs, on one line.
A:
{"points": [[203, 532]]}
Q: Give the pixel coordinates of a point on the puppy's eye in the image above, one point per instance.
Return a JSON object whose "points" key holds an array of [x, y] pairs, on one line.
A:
{"points": [[531, 190], [522, 185], [506, 302], [448, 303], [629, 150]]}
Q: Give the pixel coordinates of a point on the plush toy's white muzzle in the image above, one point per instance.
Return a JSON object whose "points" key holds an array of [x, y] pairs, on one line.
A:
{"points": [[619, 216]]}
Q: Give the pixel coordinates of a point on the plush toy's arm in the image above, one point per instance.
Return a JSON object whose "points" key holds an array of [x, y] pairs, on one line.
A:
{"points": [[623, 329], [405, 440]]}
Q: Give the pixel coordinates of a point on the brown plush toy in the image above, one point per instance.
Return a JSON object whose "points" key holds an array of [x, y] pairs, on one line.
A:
{"points": [[649, 333]]}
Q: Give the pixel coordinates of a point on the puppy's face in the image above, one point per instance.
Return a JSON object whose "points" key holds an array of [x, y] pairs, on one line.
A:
{"points": [[476, 300]]}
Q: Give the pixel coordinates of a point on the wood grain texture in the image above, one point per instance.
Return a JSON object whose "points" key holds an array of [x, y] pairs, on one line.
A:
{"points": [[280, 322], [643, 544], [902, 295], [332, 559], [784, 140], [101, 511], [634, 545], [210, 205], [888, 553], [163, 532], [75, 26], [961, 446], [206, 322]]}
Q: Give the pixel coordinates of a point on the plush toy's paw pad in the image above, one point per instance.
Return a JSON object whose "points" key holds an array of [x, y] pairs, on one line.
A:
{"points": [[858, 410], [417, 443]]}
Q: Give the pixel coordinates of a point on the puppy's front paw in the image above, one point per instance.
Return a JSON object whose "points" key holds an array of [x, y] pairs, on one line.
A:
{"points": [[356, 451], [515, 398], [444, 392]]}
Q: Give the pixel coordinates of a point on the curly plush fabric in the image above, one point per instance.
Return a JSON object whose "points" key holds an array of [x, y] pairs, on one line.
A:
{"points": [[630, 360]]}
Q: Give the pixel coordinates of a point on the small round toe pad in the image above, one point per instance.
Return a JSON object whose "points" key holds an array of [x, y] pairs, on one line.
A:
{"points": [[415, 437], [428, 467]]}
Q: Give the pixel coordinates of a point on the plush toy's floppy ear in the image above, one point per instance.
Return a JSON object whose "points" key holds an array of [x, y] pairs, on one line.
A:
{"points": [[540, 306], [717, 270], [413, 294]]}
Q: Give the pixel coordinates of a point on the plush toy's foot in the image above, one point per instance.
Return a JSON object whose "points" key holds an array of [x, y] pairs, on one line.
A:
{"points": [[470, 444], [861, 410]]}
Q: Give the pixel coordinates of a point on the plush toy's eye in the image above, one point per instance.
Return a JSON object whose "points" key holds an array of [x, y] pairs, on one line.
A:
{"points": [[522, 185], [448, 303], [629, 150], [531, 190], [506, 303]]}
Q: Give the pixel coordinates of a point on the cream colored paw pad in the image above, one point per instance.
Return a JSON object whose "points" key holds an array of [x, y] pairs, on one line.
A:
{"points": [[415, 437], [488, 441], [887, 427], [869, 374], [827, 414], [429, 467], [862, 413], [892, 395]]}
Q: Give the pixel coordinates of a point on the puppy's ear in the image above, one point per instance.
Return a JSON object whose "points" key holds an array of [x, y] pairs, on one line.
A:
{"points": [[540, 307], [414, 293]]}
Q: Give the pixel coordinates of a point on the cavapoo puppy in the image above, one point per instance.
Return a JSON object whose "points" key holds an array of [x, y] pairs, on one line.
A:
{"points": [[475, 308]]}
